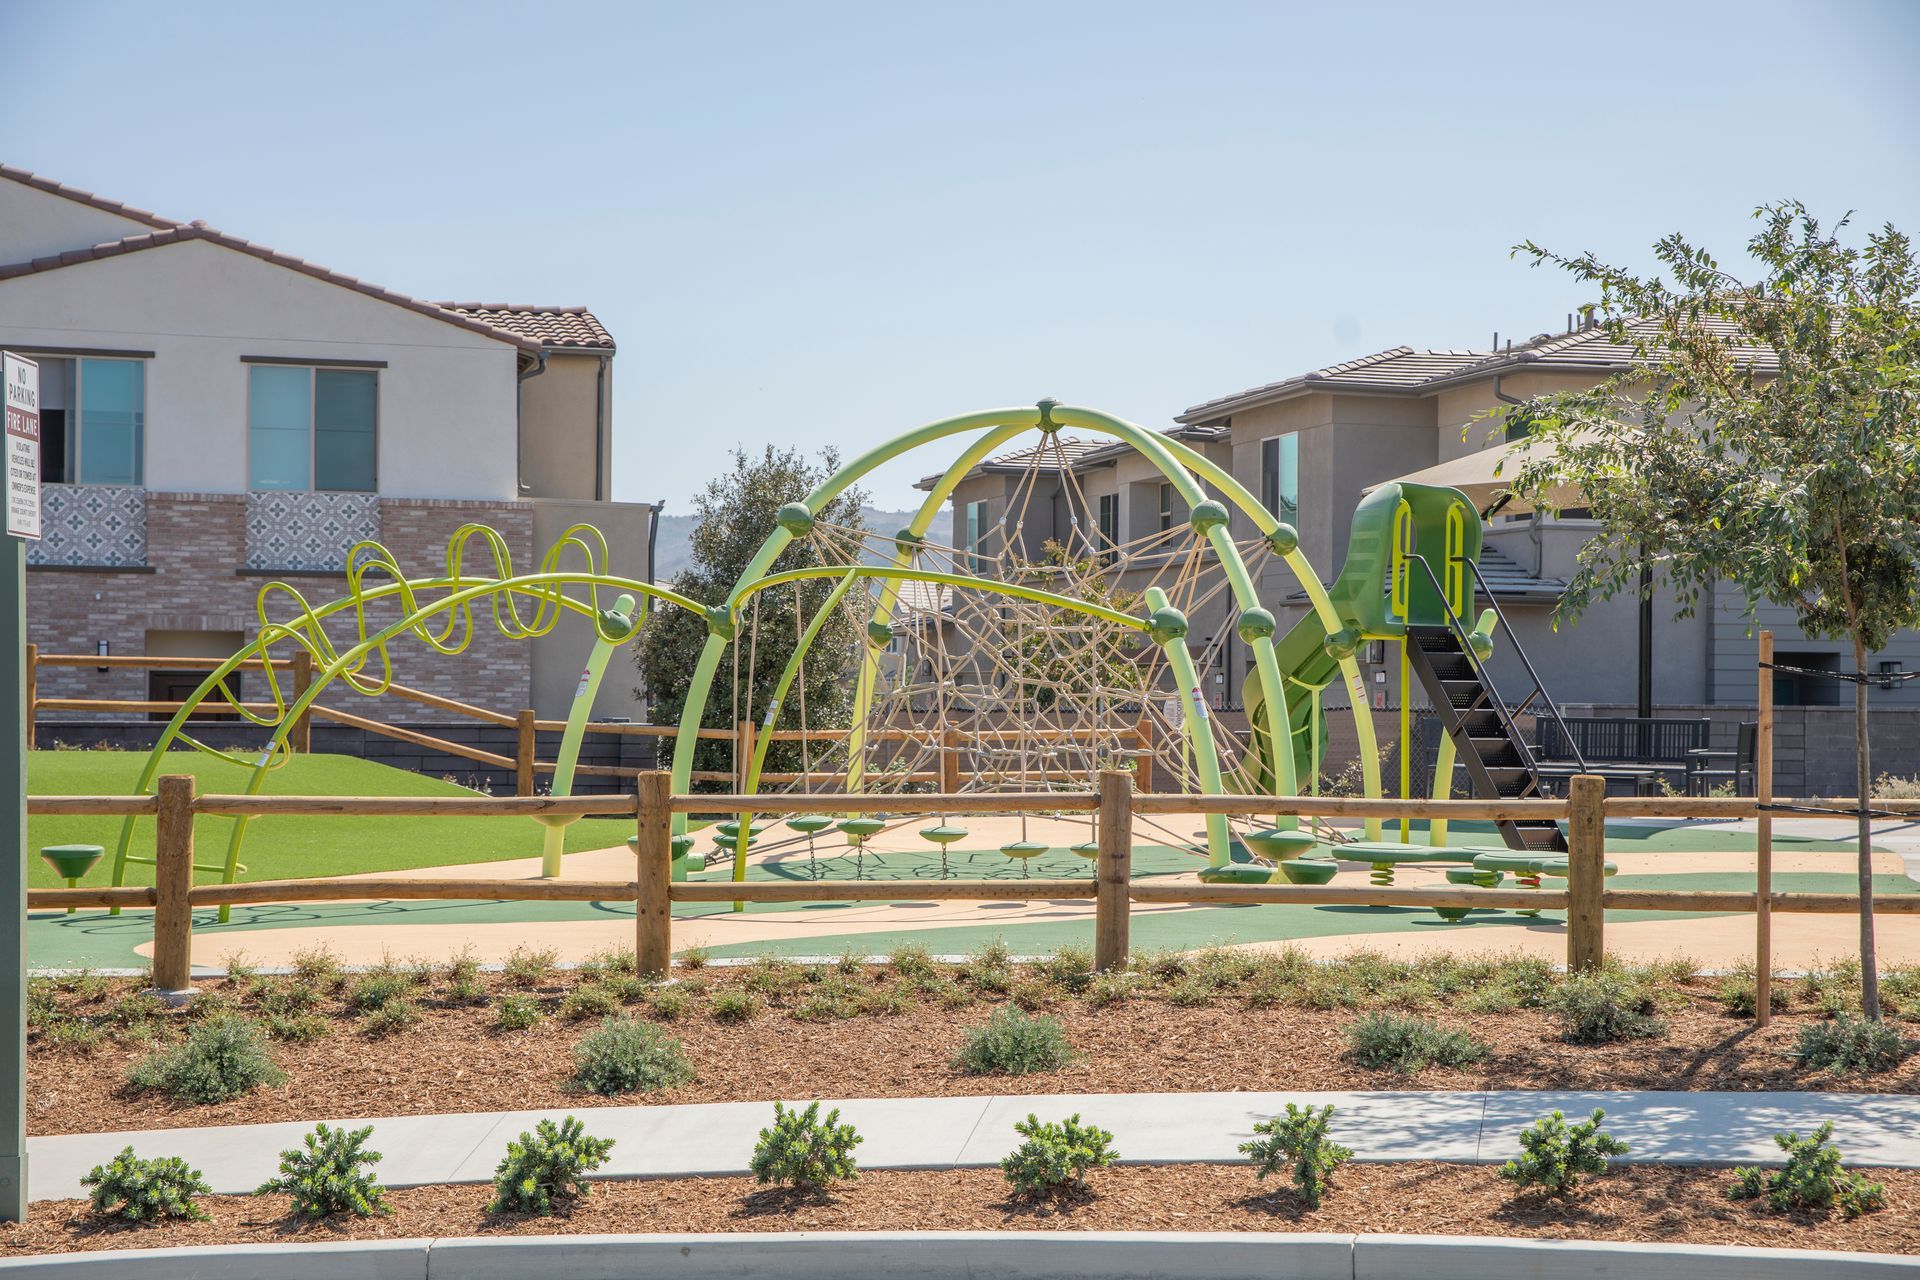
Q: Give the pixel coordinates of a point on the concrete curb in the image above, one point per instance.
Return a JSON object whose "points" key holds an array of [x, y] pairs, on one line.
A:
{"points": [[973, 1255]]}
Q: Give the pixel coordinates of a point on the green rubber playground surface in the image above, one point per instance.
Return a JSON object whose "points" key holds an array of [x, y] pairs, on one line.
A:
{"points": [[97, 939], [286, 848]]}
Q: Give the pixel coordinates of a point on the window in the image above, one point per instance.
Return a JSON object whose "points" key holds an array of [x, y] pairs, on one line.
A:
{"points": [[312, 428], [93, 421], [976, 533], [1109, 524], [1280, 476], [1166, 507]]}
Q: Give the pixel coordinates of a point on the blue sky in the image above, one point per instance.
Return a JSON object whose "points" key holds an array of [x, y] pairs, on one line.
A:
{"points": [[826, 223]]}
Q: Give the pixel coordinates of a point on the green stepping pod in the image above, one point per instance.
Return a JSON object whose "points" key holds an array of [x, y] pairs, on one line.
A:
{"points": [[858, 829], [943, 835], [1088, 849], [808, 823], [1024, 849], [1237, 873], [1309, 870], [1280, 845]]}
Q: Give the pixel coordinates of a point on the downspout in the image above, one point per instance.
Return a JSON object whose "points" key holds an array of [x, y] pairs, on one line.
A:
{"points": [[534, 370], [600, 493]]}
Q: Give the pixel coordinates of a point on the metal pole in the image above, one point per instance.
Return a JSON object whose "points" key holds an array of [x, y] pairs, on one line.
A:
{"points": [[13, 898], [1763, 868]]}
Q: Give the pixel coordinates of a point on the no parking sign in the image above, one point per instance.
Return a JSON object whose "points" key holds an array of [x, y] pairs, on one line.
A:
{"points": [[22, 379]]}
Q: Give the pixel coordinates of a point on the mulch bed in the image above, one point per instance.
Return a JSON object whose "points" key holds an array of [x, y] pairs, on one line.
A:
{"points": [[454, 1059], [1645, 1203]]}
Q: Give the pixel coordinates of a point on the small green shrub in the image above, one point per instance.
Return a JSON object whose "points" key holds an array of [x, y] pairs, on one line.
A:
{"points": [[391, 1019], [851, 960], [1811, 1180], [627, 1055], [1014, 1043], [463, 979], [1604, 1006], [515, 1013], [378, 990], [694, 958], [1847, 1044], [1162, 966], [137, 1015], [1297, 1139], [910, 960], [1111, 988], [612, 960], [1409, 1045], [1071, 967], [1191, 992], [670, 1002], [1739, 993], [529, 967], [297, 1028], [1555, 1156], [287, 999], [546, 1165], [136, 1190], [1031, 994], [830, 998], [1056, 1156], [319, 968], [218, 1060], [883, 1002], [330, 1173], [735, 1004], [802, 1151], [589, 1000], [772, 975]]}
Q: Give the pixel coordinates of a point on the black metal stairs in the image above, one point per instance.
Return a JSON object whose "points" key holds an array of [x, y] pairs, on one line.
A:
{"points": [[1485, 739]]}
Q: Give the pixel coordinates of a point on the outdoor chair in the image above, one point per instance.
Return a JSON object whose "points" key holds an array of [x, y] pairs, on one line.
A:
{"points": [[1707, 769]]}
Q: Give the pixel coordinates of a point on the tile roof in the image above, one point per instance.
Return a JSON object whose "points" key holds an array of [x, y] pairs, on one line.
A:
{"points": [[27, 179], [1405, 371], [1397, 369], [552, 327]]}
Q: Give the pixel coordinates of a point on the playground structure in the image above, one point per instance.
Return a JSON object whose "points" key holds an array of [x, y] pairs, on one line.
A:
{"points": [[1011, 664]]}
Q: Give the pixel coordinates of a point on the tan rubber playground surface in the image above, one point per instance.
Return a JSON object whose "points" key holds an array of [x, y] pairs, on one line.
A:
{"points": [[1800, 941]]}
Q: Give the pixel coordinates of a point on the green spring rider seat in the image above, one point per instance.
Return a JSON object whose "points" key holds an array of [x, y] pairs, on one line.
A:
{"points": [[1312, 869], [1472, 876], [684, 858], [1385, 855]]}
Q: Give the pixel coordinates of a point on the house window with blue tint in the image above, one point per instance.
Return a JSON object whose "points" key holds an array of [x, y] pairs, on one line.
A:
{"points": [[976, 533], [311, 428], [112, 439], [1109, 517], [1280, 476]]}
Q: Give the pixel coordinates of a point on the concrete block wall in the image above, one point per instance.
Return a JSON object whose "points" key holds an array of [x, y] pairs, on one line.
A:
{"points": [[1813, 746]]}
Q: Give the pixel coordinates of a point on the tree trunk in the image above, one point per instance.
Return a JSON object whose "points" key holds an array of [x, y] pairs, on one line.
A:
{"points": [[1863, 770]]}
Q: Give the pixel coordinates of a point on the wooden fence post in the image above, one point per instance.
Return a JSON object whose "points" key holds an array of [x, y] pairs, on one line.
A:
{"points": [[523, 757], [1586, 871], [1763, 824], [33, 689], [301, 739], [173, 878], [1112, 902], [950, 761], [652, 912]]}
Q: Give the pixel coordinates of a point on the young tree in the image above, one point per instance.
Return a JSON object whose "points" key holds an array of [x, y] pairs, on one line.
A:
{"points": [[734, 514], [1766, 435]]}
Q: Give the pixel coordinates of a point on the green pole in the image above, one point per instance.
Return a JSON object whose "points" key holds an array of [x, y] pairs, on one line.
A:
{"points": [[619, 624], [13, 900]]}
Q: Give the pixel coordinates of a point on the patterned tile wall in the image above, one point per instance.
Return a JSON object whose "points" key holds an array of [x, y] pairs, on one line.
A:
{"points": [[91, 524], [308, 530]]}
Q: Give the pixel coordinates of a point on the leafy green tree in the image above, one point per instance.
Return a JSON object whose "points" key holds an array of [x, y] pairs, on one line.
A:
{"points": [[1767, 434], [734, 515]]}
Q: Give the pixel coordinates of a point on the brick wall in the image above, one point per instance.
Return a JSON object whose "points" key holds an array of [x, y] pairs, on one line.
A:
{"points": [[193, 581]]}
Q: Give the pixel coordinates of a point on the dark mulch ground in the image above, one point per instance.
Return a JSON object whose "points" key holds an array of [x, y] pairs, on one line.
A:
{"points": [[453, 1059], [1636, 1203]]}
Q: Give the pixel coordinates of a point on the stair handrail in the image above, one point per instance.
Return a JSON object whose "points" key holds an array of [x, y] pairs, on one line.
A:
{"points": [[1479, 668]]}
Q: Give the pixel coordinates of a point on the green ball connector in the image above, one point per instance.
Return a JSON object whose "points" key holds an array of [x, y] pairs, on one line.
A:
{"points": [[617, 622], [721, 622], [795, 519], [879, 634], [1046, 425], [1285, 540], [1166, 625], [1482, 646], [906, 540], [1256, 624], [1342, 644], [1207, 515]]}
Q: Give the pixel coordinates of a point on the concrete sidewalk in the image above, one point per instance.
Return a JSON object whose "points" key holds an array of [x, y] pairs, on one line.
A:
{"points": [[940, 1133]]}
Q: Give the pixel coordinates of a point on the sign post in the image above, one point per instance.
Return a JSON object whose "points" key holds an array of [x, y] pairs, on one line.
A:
{"points": [[21, 379]]}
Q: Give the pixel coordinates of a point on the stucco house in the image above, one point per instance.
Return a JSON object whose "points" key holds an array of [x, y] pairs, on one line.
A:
{"points": [[218, 415], [1311, 444]]}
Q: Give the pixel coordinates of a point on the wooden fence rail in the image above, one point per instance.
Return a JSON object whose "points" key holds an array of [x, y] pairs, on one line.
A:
{"points": [[1112, 889]]}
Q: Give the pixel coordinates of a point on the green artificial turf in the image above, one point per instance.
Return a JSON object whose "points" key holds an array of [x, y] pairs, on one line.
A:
{"points": [[287, 848]]}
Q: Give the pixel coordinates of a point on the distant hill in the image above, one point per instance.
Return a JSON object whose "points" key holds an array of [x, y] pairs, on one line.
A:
{"points": [[676, 535]]}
